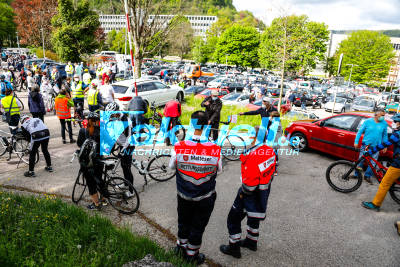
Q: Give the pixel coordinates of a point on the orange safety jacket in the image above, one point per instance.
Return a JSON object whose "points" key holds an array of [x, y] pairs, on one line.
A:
{"points": [[62, 109]]}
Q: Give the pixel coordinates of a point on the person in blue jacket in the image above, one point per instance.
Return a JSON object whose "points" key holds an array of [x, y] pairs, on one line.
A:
{"points": [[4, 85]]}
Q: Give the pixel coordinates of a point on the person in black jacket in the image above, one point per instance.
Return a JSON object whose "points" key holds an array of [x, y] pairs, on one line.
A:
{"points": [[36, 104], [213, 107], [140, 107], [303, 101]]}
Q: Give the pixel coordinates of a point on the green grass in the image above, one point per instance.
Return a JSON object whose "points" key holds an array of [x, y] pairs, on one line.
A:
{"points": [[48, 232]]}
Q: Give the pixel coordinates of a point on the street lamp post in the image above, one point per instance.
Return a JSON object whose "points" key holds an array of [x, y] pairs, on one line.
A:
{"points": [[351, 71], [44, 52], [18, 43]]}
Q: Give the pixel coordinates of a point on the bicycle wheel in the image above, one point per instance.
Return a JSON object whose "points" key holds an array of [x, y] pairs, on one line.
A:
{"points": [[340, 176], [181, 133], [232, 147], [158, 168], [117, 194], [79, 188], [21, 148], [3, 145], [394, 192], [22, 104]]}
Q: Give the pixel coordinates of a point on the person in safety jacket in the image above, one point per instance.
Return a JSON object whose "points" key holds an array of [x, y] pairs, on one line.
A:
{"points": [[86, 77], [78, 90], [39, 136], [94, 98], [213, 107], [172, 111], [197, 164], [393, 173], [257, 169], [69, 69], [63, 105], [11, 106]]}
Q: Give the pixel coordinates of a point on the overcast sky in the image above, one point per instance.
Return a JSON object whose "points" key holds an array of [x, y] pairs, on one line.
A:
{"points": [[337, 14]]}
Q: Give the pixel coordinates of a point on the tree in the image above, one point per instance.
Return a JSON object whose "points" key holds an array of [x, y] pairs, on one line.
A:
{"points": [[181, 37], [238, 45], [31, 18], [371, 51], [116, 41], [7, 26], [294, 40], [74, 30], [149, 34]]}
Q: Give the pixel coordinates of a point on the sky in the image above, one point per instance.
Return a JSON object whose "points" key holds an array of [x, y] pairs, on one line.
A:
{"points": [[337, 14]]}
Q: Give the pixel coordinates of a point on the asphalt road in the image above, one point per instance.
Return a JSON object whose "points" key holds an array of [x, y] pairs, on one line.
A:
{"points": [[308, 224]]}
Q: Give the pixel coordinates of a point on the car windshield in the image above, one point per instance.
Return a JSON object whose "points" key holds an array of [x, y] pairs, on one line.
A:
{"points": [[365, 103], [206, 92], [231, 97], [340, 100]]}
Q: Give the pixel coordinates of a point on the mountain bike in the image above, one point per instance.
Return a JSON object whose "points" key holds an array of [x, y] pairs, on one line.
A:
{"points": [[340, 177], [118, 191], [16, 143]]}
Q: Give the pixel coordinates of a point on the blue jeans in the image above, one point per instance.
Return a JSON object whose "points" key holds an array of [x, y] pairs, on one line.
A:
{"points": [[369, 173], [303, 106]]}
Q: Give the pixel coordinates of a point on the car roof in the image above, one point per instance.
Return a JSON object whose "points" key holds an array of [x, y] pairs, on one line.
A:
{"points": [[132, 81]]}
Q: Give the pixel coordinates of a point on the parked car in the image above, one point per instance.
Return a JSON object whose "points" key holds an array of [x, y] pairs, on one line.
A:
{"points": [[149, 90], [285, 105], [232, 86], [364, 105], [153, 70], [334, 135], [392, 107], [207, 92], [236, 99], [205, 79], [300, 115], [194, 89], [341, 105]]}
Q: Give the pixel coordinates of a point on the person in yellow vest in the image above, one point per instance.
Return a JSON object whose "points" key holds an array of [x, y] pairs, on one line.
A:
{"points": [[11, 107], [69, 69], [99, 71], [34, 67], [78, 90], [87, 78], [63, 105], [94, 98]]}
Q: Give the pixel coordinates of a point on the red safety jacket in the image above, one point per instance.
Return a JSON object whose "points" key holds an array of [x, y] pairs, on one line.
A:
{"points": [[258, 166], [172, 109], [197, 166]]}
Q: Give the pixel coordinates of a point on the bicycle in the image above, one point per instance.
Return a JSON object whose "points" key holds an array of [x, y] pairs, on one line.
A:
{"points": [[345, 169], [232, 146], [115, 188], [17, 144]]}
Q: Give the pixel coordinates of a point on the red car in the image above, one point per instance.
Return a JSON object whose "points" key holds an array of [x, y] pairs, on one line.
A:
{"points": [[285, 105], [207, 92], [334, 135]]}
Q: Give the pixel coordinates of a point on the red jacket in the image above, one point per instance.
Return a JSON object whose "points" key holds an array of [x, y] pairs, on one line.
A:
{"points": [[172, 109]]}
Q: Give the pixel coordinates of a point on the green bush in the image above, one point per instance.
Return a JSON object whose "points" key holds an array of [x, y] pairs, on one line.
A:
{"points": [[47, 232]]}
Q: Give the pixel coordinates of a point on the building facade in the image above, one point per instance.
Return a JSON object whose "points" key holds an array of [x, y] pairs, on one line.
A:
{"points": [[200, 24]]}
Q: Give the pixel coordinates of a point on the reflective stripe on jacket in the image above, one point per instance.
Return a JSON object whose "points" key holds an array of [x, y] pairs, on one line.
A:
{"points": [[77, 90], [6, 103], [62, 109], [92, 97]]}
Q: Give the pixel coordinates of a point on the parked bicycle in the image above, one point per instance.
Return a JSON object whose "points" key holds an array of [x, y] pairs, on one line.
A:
{"points": [[16, 143], [344, 177], [118, 191]]}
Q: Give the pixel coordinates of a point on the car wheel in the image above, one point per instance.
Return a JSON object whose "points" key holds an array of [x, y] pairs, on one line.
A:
{"points": [[179, 97], [299, 141]]}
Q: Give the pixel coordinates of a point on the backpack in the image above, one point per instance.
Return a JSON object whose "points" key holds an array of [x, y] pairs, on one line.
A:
{"points": [[87, 153]]}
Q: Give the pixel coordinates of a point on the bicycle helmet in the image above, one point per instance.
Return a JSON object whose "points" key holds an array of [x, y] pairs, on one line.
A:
{"points": [[396, 117], [24, 119], [112, 107], [93, 116]]}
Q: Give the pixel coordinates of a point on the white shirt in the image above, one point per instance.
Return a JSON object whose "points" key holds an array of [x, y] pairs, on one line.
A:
{"points": [[107, 92], [30, 81]]}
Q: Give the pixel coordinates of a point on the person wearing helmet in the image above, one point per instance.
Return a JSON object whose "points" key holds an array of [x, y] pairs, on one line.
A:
{"points": [[39, 135], [11, 108], [94, 98], [123, 141], [89, 139], [107, 91], [393, 173], [86, 77], [4, 85], [78, 90]]}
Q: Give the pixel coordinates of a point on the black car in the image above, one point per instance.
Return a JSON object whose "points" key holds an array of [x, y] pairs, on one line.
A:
{"points": [[232, 86], [205, 79], [153, 70], [193, 90]]}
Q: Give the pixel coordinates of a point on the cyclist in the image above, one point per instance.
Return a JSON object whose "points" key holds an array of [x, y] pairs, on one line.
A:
{"points": [[139, 106], [213, 106], [94, 98], [39, 135], [11, 107], [123, 140], [78, 89], [257, 168], [4, 85], [86, 78], [393, 173], [172, 110], [196, 180], [62, 105], [89, 157]]}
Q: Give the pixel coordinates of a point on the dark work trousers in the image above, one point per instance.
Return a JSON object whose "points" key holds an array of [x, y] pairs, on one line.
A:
{"points": [[214, 130], [193, 218], [249, 206], [79, 104], [93, 108], [126, 163], [35, 147], [14, 121], [63, 122], [38, 115]]}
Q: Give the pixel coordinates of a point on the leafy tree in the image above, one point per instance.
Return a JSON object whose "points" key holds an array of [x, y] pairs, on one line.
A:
{"points": [[7, 26], [33, 16], [115, 41], [74, 30], [294, 40], [238, 45], [181, 37], [371, 51]]}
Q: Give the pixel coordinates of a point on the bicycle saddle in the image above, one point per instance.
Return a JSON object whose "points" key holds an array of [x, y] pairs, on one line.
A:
{"points": [[108, 162]]}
